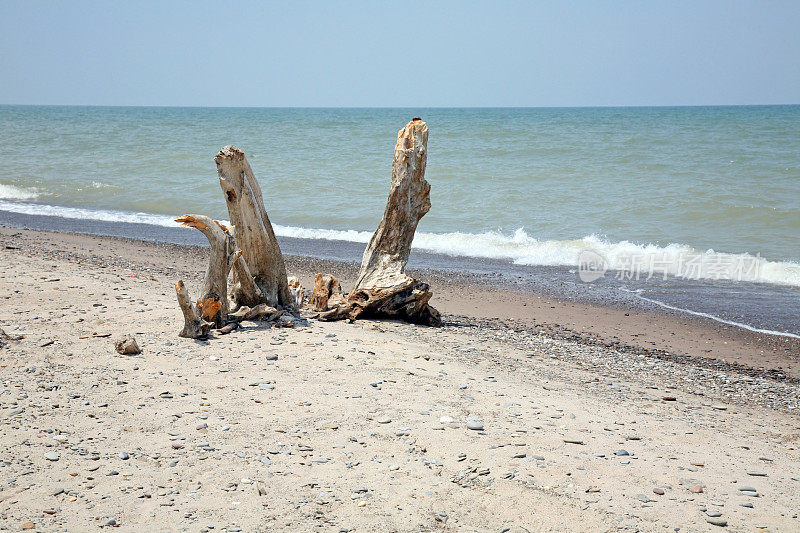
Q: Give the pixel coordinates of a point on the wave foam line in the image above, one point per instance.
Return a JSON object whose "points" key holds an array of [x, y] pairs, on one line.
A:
{"points": [[519, 247], [9, 192], [88, 214], [718, 319]]}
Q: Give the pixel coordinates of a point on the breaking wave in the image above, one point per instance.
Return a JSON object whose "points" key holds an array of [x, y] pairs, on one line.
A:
{"points": [[9, 192], [673, 260]]}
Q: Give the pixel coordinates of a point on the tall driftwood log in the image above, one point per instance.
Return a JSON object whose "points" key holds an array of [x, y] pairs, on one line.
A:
{"points": [[382, 287], [212, 306], [266, 282]]}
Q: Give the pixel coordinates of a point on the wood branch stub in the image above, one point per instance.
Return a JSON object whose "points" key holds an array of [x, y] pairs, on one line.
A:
{"points": [[327, 293], [194, 326], [254, 233], [297, 290], [212, 306]]}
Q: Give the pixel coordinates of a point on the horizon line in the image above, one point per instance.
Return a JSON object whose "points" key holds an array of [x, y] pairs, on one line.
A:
{"points": [[401, 107]]}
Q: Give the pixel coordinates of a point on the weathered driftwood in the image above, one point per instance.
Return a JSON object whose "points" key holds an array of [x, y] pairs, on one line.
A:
{"points": [[254, 235], [297, 290], [194, 326], [327, 299], [212, 306], [5, 338], [382, 287]]}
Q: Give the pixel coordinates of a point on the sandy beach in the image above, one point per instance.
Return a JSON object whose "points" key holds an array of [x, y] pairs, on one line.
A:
{"points": [[593, 419]]}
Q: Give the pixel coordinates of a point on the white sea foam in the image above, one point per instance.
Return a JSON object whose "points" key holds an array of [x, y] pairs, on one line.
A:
{"points": [[718, 319], [87, 214], [519, 248], [9, 192], [637, 259]]}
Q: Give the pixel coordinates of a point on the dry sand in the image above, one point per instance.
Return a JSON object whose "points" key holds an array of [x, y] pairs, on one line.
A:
{"points": [[363, 427]]}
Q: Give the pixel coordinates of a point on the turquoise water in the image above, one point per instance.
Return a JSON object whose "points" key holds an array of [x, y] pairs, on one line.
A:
{"points": [[534, 186]]}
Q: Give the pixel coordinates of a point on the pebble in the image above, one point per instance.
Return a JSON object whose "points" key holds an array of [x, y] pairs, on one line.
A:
{"points": [[52, 456], [621, 452], [111, 522], [756, 474], [446, 420], [475, 425], [658, 491], [713, 514], [697, 489], [384, 420], [572, 441], [716, 521], [124, 456], [272, 357]]}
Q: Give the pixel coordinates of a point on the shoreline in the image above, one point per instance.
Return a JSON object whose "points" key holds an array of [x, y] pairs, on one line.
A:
{"points": [[763, 308], [639, 330]]}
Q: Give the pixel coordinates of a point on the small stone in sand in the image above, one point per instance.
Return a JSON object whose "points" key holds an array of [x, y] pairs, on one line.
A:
{"points": [[697, 489], [384, 420], [475, 425], [658, 491], [717, 521], [272, 357], [124, 456], [52, 456]]}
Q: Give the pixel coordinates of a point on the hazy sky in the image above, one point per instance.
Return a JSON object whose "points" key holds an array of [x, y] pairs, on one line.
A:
{"points": [[375, 53]]}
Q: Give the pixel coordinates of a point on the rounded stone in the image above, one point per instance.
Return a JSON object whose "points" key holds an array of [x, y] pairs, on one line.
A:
{"points": [[475, 425]]}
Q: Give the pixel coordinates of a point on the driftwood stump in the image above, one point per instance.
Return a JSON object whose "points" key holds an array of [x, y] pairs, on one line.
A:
{"points": [[261, 276], [194, 327], [382, 287], [212, 306], [260, 287]]}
